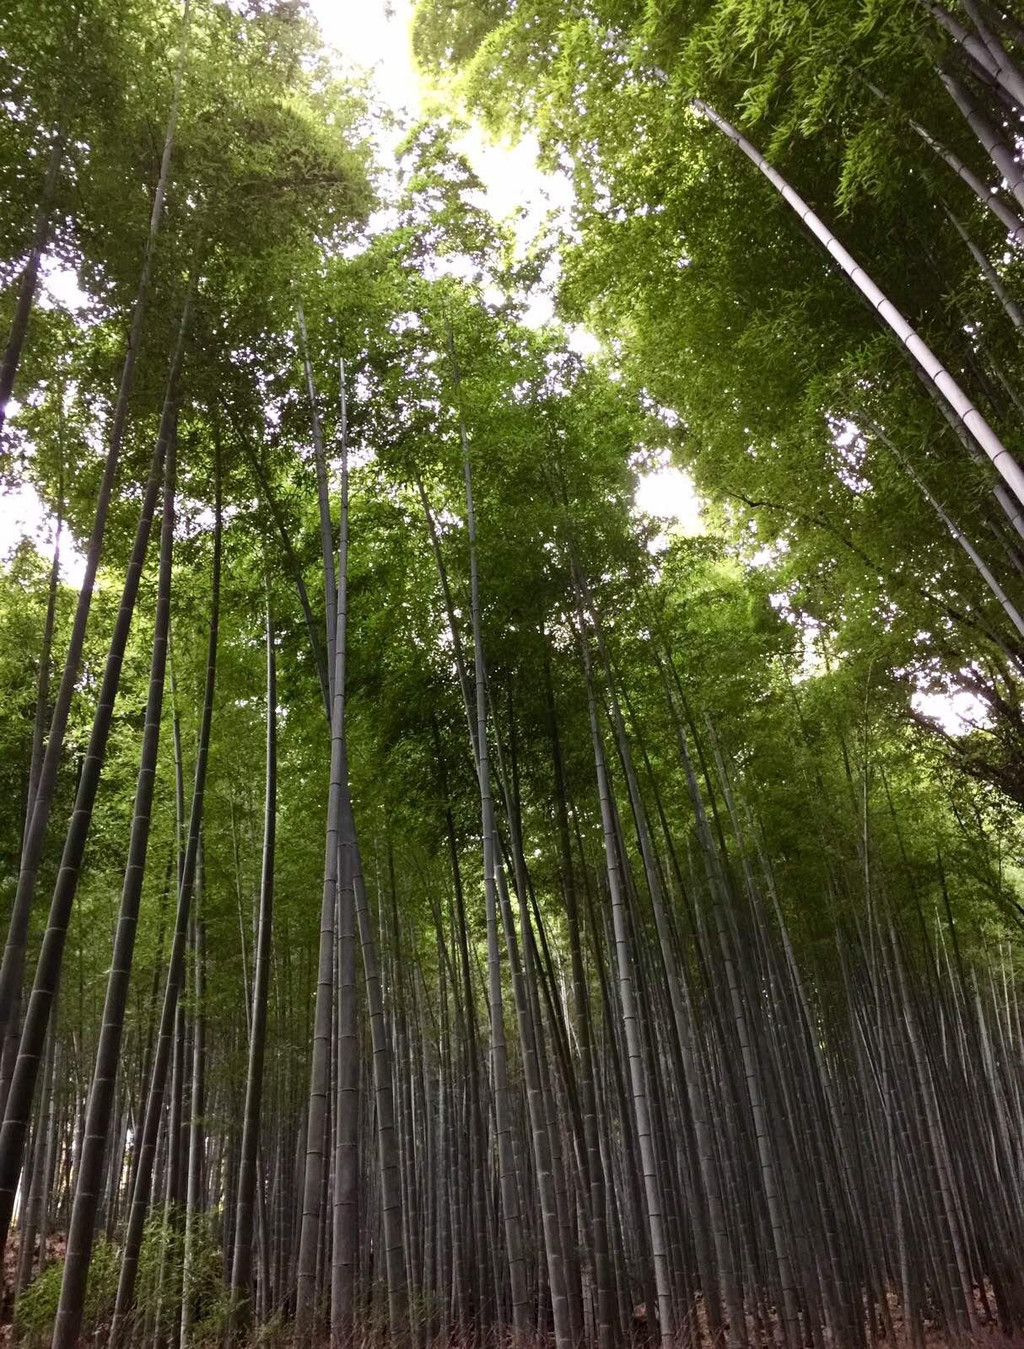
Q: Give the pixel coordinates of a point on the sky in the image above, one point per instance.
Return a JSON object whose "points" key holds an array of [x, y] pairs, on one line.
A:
{"points": [[376, 35]]}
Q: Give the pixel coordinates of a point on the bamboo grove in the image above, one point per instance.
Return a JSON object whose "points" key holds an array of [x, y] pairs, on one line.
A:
{"points": [[446, 903]]}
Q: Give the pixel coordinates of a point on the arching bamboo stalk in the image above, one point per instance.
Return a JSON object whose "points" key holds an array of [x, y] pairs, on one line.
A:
{"points": [[944, 384]]}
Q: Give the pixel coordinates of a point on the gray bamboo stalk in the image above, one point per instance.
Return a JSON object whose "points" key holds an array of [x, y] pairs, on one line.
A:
{"points": [[1010, 307], [162, 1299], [345, 1213], [197, 1142], [33, 1220], [323, 498], [1009, 504], [1000, 595], [766, 1139], [537, 1097], [294, 566], [944, 384], [535, 1074], [656, 1217], [403, 1090], [938, 1145], [991, 141], [344, 833], [679, 1001], [990, 199], [471, 1287], [606, 1335], [9, 1053], [43, 682], [508, 1178], [241, 1263], [980, 50], [387, 1139], [1005, 73], [453, 625], [320, 1067]]}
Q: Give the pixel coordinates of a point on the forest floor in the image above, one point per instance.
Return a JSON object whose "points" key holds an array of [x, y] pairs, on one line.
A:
{"points": [[56, 1244], [697, 1334]]}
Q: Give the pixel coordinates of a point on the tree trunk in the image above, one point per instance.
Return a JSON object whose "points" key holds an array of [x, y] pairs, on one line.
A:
{"points": [[196, 1185], [241, 1264], [47, 976], [68, 1322], [507, 1167], [944, 386], [627, 997], [148, 1135]]}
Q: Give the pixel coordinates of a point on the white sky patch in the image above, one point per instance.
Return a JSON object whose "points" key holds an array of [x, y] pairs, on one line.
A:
{"points": [[848, 440], [59, 288], [513, 182], [584, 343], [23, 515], [377, 36], [957, 713], [668, 493], [540, 310], [768, 554], [809, 630]]}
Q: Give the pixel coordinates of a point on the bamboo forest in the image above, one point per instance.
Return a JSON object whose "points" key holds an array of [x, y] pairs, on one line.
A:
{"points": [[512, 674]]}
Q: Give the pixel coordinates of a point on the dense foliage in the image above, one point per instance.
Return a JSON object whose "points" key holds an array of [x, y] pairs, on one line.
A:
{"points": [[527, 914]]}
